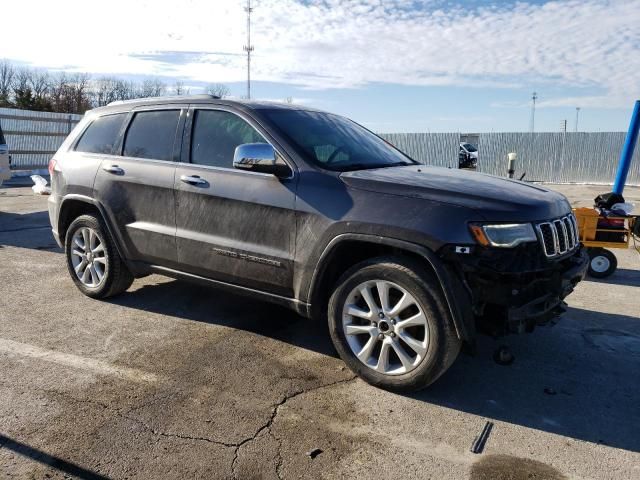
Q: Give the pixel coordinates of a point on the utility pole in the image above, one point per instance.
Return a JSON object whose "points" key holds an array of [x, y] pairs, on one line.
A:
{"points": [[532, 122], [248, 47], [577, 116]]}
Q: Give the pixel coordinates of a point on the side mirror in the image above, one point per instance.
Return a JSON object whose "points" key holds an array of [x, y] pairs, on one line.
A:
{"points": [[258, 157]]}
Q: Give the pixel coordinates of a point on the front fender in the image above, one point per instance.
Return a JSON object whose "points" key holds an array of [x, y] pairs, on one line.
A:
{"points": [[456, 296]]}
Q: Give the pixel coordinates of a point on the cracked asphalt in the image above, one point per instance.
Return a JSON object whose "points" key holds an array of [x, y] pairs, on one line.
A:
{"points": [[173, 380]]}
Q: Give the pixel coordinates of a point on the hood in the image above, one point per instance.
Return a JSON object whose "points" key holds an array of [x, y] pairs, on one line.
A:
{"points": [[494, 198]]}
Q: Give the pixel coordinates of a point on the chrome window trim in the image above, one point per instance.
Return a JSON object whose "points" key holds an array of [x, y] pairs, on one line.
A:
{"points": [[200, 166]]}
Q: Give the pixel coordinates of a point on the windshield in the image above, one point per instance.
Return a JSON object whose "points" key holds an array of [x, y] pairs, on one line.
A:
{"points": [[333, 142], [469, 148]]}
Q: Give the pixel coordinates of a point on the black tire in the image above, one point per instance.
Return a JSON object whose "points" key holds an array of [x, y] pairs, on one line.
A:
{"points": [[443, 345], [599, 258], [117, 277]]}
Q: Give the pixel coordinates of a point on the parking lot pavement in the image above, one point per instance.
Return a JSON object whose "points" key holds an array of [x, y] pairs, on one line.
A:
{"points": [[172, 380]]}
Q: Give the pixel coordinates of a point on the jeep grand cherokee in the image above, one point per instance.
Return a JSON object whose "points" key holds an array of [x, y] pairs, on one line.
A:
{"points": [[312, 211]]}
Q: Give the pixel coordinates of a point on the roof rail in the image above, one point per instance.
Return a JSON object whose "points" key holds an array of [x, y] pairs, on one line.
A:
{"points": [[177, 98]]}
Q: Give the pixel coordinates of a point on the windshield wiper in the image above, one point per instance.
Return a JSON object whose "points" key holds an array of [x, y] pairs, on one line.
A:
{"points": [[371, 166], [395, 164]]}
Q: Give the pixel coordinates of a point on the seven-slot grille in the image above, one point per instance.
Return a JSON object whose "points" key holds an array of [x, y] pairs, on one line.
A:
{"points": [[559, 236]]}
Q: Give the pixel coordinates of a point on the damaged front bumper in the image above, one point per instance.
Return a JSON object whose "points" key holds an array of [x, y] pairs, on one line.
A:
{"points": [[541, 309], [513, 291]]}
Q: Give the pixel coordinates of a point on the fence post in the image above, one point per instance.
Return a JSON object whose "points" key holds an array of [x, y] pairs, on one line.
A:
{"points": [[511, 158]]}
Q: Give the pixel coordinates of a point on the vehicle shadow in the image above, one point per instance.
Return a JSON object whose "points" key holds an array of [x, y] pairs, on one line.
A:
{"points": [[573, 379], [56, 463], [214, 306], [27, 230], [577, 379], [622, 276]]}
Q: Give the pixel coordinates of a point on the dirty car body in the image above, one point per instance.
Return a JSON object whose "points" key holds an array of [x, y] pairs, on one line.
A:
{"points": [[334, 202]]}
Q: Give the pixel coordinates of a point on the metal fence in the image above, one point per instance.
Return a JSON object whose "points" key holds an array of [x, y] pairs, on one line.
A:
{"points": [[572, 157], [33, 137], [440, 149]]}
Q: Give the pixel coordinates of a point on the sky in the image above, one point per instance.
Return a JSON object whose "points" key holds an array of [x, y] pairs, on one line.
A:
{"points": [[393, 65]]}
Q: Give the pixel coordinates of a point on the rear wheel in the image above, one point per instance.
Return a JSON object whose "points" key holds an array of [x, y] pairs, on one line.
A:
{"points": [[602, 263], [93, 262], [389, 323]]}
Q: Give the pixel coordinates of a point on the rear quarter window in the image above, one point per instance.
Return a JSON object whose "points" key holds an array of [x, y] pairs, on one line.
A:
{"points": [[101, 135]]}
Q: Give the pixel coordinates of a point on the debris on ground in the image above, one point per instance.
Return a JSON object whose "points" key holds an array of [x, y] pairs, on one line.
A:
{"points": [[314, 453], [40, 186], [503, 355], [481, 440]]}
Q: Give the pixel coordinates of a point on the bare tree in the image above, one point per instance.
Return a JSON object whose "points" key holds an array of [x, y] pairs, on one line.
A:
{"points": [[21, 79], [39, 84], [288, 100], [152, 88], [6, 82], [21, 86], [219, 90], [105, 90], [80, 92], [77, 92], [125, 90], [70, 93], [179, 88]]}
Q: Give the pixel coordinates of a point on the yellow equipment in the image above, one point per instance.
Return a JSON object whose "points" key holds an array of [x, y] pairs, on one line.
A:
{"points": [[597, 238]]}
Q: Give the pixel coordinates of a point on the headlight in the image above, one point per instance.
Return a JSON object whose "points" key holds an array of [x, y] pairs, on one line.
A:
{"points": [[505, 235]]}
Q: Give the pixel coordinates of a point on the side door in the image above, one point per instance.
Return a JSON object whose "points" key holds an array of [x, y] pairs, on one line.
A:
{"points": [[136, 187], [233, 225]]}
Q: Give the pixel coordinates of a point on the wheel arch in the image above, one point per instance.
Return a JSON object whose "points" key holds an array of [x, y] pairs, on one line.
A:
{"points": [[73, 206], [346, 250]]}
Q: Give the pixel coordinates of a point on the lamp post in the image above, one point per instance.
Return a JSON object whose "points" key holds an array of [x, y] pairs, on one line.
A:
{"points": [[532, 121]]}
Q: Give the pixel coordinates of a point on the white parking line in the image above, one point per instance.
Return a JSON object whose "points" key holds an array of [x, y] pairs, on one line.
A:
{"points": [[75, 361]]}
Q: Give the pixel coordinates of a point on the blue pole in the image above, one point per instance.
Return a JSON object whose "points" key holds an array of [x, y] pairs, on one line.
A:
{"points": [[627, 150]]}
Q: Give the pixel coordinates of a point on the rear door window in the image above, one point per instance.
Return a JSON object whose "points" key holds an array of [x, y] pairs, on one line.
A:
{"points": [[151, 135], [101, 135], [216, 134]]}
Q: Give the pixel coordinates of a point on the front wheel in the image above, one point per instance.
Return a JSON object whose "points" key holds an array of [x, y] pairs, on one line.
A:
{"points": [[388, 322], [602, 263]]}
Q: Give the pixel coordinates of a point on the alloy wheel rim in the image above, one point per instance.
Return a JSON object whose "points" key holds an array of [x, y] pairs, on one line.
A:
{"points": [[385, 327], [88, 257], [600, 264]]}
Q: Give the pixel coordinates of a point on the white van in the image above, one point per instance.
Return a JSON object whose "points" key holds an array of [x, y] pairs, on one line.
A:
{"points": [[5, 173]]}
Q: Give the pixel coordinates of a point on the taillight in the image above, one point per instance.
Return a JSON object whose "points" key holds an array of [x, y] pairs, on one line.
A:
{"points": [[52, 166]]}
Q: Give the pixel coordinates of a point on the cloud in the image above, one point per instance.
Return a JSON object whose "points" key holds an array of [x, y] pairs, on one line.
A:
{"points": [[589, 45]]}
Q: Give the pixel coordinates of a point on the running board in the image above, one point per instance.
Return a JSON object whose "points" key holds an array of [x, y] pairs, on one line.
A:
{"points": [[299, 307]]}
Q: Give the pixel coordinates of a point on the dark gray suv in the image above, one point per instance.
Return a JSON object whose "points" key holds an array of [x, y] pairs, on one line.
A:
{"points": [[312, 211]]}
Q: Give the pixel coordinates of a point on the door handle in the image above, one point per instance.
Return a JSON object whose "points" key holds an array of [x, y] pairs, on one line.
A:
{"points": [[193, 180], [115, 169]]}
